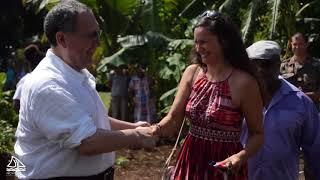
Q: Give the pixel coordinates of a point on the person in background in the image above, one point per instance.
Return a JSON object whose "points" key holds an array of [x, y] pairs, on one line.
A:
{"points": [[139, 88], [64, 131], [119, 82], [302, 70], [10, 76], [33, 57], [213, 94], [290, 121]]}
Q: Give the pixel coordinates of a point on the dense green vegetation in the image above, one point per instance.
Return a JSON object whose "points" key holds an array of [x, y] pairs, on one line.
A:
{"points": [[8, 118]]}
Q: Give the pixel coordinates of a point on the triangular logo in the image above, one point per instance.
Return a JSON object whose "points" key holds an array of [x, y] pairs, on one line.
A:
{"points": [[15, 165]]}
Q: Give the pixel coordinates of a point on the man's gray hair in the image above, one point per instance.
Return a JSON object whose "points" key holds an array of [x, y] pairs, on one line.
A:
{"points": [[62, 17]]}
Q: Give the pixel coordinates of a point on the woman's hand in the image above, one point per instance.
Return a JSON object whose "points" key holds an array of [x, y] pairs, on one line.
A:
{"points": [[156, 128], [232, 163], [141, 124]]}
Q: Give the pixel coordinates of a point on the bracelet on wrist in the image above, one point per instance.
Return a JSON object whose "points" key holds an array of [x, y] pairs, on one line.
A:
{"points": [[158, 128]]}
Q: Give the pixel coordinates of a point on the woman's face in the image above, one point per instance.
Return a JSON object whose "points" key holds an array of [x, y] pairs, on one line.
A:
{"points": [[207, 45]]}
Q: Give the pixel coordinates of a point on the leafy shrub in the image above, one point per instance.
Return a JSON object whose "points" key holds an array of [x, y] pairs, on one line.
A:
{"points": [[8, 118]]}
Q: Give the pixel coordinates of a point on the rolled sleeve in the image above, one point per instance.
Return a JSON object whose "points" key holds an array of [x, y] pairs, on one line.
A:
{"points": [[60, 118]]}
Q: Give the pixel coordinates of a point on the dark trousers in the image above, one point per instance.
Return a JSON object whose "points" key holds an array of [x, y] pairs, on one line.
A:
{"points": [[105, 175]]}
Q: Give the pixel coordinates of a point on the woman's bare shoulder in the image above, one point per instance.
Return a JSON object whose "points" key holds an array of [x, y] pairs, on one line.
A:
{"points": [[192, 68], [243, 79]]}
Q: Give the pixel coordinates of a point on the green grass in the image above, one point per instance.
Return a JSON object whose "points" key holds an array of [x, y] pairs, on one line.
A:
{"points": [[106, 98]]}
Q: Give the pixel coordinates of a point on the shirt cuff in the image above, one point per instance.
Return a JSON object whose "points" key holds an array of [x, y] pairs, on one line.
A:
{"points": [[84, 130]]}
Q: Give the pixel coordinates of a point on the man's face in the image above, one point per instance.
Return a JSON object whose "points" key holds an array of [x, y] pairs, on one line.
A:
{"points": [[268, 71], [83, 42], [299, 45]]}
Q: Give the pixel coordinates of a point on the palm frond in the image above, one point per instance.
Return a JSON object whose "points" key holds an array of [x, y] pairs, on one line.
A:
{"points": [[251, 22], [232, 8], [275, 17], [307, 6], [229, 6]]}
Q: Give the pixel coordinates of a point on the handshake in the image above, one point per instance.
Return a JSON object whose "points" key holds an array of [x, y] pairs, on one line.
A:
{"points": [[146, 135]]}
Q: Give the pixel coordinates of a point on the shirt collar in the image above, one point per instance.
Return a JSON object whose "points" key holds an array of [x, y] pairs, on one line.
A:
{"points": [[285, 89], [68, 71]]}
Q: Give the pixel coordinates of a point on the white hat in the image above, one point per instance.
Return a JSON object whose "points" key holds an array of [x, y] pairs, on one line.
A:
{"points": [[264, 50]]}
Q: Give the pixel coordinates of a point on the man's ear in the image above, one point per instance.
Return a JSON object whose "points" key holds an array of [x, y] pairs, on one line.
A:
{"points": [[61, 39]]}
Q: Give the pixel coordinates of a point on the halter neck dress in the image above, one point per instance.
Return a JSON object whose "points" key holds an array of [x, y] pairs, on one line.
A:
{"points": [[214, 135]]}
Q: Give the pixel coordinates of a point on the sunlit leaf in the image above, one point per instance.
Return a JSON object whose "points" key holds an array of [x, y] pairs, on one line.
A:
{"points": [[168, 93]]}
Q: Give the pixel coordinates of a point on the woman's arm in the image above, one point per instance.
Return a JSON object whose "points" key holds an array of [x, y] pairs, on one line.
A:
{"points": [[251, 106], [250, 102], [170, 123], [117, 124]]}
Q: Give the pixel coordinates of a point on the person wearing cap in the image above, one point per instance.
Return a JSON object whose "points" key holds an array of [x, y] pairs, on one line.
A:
{"points": [[302, 70], [290, 121]]}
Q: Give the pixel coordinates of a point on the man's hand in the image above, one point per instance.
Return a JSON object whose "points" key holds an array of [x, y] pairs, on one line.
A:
{"points": [[145, 138]]}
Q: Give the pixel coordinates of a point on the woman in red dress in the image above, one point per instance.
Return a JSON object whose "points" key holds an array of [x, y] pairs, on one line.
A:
{"points": [[215, 93]]}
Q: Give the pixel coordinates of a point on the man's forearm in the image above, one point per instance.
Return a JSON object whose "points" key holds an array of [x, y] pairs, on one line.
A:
{"points": [[104, 141]]}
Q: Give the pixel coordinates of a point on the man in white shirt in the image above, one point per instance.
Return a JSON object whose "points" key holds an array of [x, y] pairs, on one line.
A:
{"points": [[64, 131]]}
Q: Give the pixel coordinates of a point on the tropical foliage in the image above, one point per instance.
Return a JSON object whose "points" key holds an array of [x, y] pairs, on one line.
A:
{"points": [[158, 33], [8, 118]]}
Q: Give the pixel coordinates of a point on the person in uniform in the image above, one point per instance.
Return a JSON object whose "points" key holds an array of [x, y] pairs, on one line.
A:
{"points": [[302, 70]]}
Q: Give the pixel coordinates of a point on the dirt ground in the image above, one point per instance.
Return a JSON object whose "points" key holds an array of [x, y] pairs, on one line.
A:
{"points": [[147, 165], [142, 164]]}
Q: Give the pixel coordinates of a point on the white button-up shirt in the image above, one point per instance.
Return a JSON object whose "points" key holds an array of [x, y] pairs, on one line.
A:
{"points": [[59, 108], [17, 93]]}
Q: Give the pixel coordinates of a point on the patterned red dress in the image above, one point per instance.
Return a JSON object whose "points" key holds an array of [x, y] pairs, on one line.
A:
{"points": [[214, 134]]}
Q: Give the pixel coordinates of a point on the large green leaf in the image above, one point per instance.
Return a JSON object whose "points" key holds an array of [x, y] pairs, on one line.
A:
{"points": [[165, 73], [169, 93], [126, 7], [114, 60], [251, 21], [180, 44], [151, 39], [2, 80], [132, 40], [48, 4]]}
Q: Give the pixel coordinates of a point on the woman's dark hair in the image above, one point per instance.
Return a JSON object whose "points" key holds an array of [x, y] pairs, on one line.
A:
{"points": [[229, 38]]}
